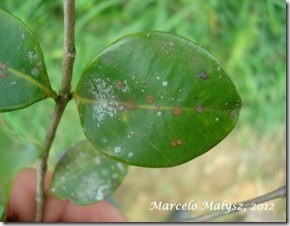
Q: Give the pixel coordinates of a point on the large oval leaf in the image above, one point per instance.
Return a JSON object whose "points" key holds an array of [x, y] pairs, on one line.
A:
{"points": [[157, 100], [85, 176], [23, 76]]}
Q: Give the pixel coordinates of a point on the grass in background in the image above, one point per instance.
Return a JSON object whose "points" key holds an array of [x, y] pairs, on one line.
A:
{"points": [[248, 37]]}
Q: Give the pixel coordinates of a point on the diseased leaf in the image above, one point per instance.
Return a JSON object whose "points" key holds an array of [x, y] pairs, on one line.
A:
{"points": [[85, 176], [23, 76], [155, 99]]}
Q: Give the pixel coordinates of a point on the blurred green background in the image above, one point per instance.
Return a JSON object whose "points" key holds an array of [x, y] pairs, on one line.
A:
{"points": [[249, 39]]}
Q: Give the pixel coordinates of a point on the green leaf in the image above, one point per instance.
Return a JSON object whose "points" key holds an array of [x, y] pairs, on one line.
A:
{"points": [[85, 176], [2, 212], [154, 99], [15, 155], [23, 76]]}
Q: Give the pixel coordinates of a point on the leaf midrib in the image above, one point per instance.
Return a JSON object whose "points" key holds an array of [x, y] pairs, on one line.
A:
{"points": [[152, 107], [27, 78]]}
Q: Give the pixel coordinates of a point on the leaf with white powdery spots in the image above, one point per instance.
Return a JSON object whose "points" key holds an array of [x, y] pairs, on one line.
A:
{"points": [[85, 176], [154, 99], [23, 76]]}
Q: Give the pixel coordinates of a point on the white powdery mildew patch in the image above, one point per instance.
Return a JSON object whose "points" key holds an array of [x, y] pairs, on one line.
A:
{"points": [[117, 149], [86, 191], [97, 160], [104, 94], [35, 71], [126, 88], [164, 83], [23, 35], [104, 140], [32, 56], [115, 175], [120, 166], [103, 191]]}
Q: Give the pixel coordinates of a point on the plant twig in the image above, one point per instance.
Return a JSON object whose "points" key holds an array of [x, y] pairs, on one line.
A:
{"points": [[69, 47], [278, 193], [42, 163], [61, 102]]}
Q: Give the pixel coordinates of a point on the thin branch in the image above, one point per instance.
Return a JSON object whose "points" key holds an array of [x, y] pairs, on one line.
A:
{"points": [[61, 102], [236, 207], [69, 47], [42, 163]]}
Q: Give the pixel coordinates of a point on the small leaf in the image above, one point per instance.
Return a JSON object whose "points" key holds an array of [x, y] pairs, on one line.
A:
{"points": [[155, 99], [23, 76], [85, 176], [2, 212], [15, 155]]}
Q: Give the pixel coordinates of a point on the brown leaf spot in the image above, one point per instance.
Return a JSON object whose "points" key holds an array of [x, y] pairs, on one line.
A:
{"points": [[173, 143], [178, 142], [199, 109], [4, 75], [131, 105], [202, 75], [120, 85], [4, 66], [149, 99], [176, 111], [233, 114]]}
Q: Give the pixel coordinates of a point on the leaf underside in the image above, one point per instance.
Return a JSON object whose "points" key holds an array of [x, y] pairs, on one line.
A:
{"points": [[23, 76], [154, 99], [85, 176]]}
